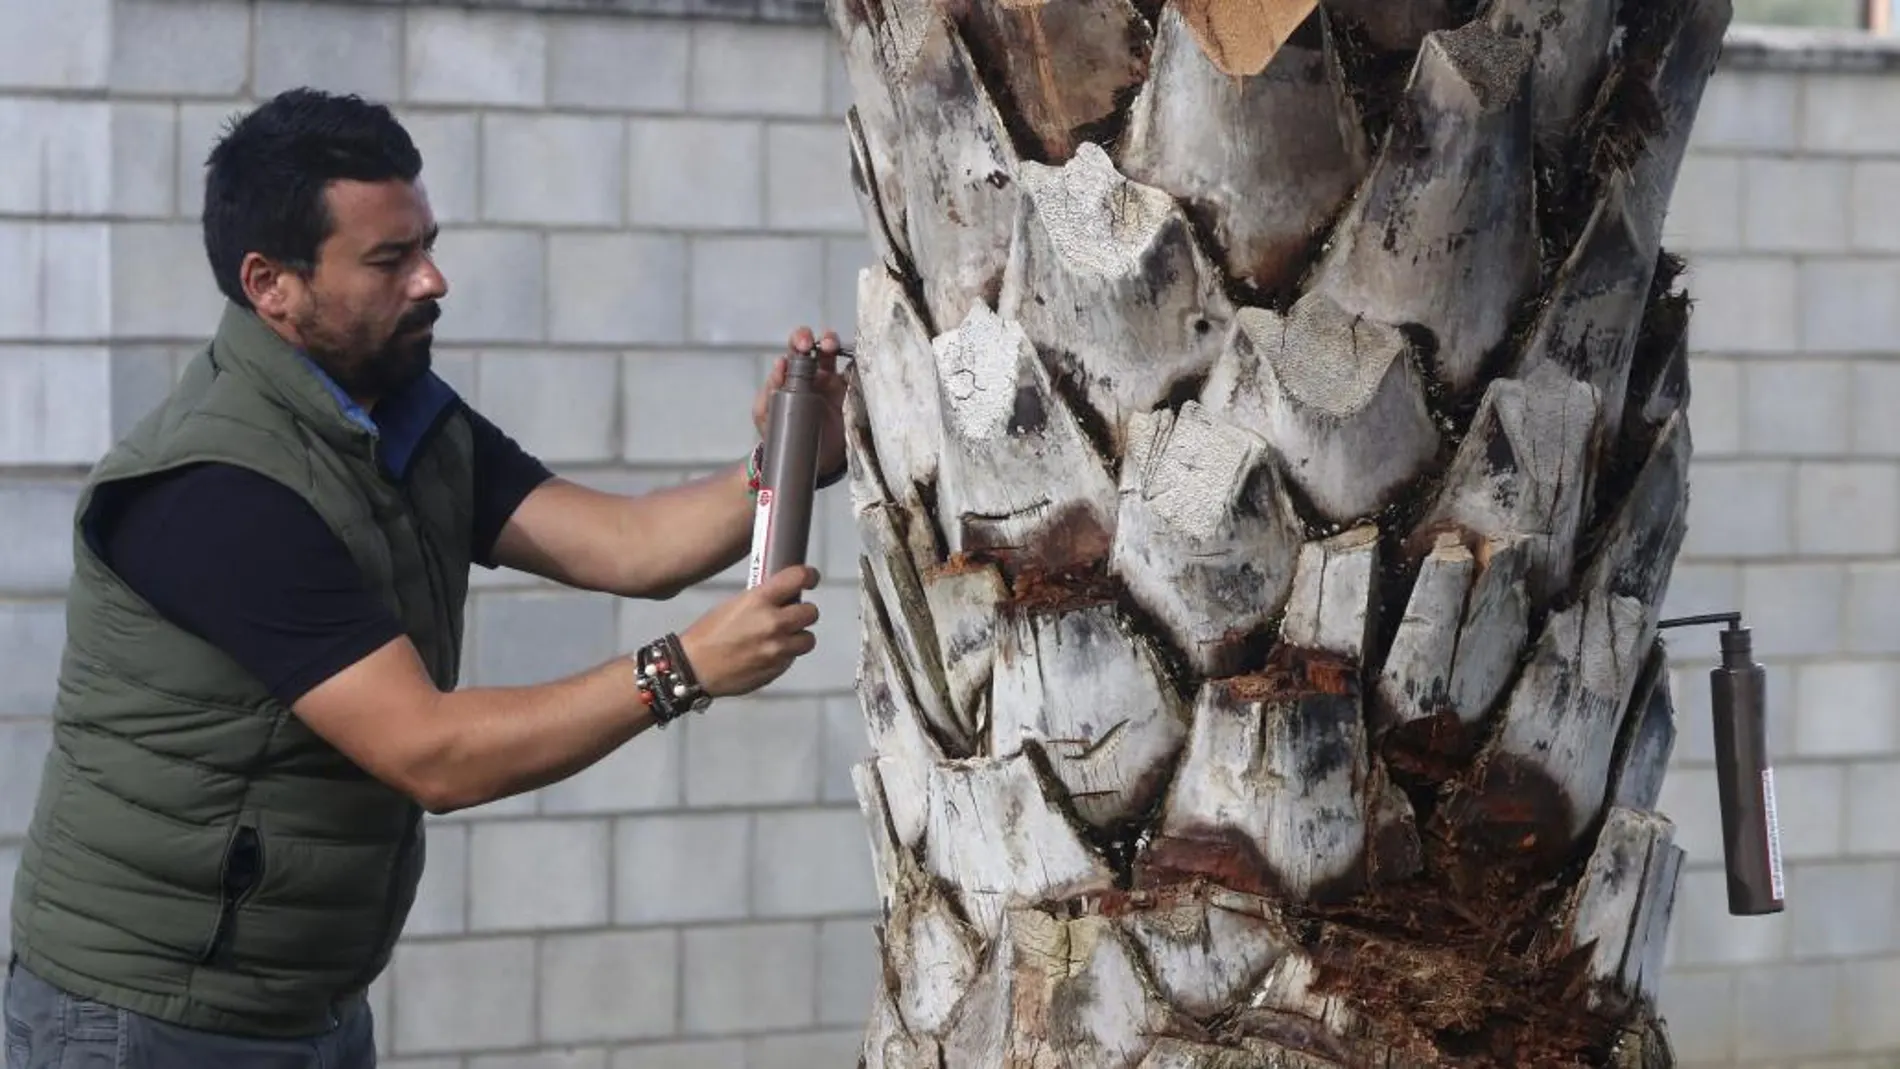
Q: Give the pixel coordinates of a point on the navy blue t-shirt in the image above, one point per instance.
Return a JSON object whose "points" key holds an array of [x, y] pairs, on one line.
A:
{"points": [[241, 561]]}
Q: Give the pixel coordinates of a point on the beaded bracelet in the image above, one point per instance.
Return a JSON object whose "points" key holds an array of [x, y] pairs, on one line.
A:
{"points": [[666, 681], [755, 472]]}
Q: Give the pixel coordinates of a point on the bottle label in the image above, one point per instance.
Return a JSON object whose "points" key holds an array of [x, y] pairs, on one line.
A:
{"points": [[761, 535], [1773, 824]]}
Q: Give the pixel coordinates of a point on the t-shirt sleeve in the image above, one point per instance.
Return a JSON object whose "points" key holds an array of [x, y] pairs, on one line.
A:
{"points": [[505, 474], [244, 563]]}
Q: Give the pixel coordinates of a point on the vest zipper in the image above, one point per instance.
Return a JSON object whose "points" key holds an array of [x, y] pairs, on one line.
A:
{"points": [[239, 875]]}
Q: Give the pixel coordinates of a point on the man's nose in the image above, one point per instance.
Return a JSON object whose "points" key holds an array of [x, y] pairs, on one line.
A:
{"points": [[428, 283]]}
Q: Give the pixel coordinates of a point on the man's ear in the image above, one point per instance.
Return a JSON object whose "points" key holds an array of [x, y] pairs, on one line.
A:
{"points": [[274, 289]]}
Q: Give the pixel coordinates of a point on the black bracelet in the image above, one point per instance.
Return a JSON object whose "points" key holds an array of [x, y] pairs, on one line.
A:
{"points": [[665, 678]]}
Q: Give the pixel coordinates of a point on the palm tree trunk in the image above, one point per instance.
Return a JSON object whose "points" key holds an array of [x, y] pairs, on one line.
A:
{"points": [[1270, 451]]}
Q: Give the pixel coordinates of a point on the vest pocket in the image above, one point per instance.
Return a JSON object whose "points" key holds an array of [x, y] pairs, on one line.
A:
{"points": [[242, 871]]}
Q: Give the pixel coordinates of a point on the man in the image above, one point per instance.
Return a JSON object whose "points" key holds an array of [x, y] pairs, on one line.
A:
{"points": [[257, 699]]}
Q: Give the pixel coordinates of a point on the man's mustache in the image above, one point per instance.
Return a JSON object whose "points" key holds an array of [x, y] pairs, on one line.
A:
{"points": [[424, 315]]}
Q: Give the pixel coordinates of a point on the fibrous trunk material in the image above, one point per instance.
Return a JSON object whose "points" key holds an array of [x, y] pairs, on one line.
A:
{"points": [[1269, 444]]}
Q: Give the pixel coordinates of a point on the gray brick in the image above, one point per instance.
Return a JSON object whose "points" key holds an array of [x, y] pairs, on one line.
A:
{"points": [[1699, 1007], [1705, 212], [1793, 408], [1848, 709], [144, 173], [60, 278], [698, 174], [553, 169], [846, 744], [839, 95], [1740, 509], [844, 258], [161, 284], [1788, 1010], [539, 874], [465, 995], [1876, 397], [642, 774], [1743, 304], [1749, 110], [199, 128], [755, 291], [754, 752], [49, 405], [619, 985], [1700, 588], [475, 57], [573, 1058], [617, 289], [538, 636], [197, 49], [750, 978], [684, 867], [1809, 800], [688, 408], [23, 747], [1795, 609], [809, 1050], [848, 968], [1873, 607], [515, 805], [419, 1063], [810, 165], [696, 1054], [1690, 801], [561, 406], [1872, 990], [1871, 827], [1845, 508], [344, 49], [1850, 306], [497, 281], [141, 378], [813, 862], [451, 160], [1850, 113], [1705, 932], [32, 637], [621, 63], [1876, 225], [1846, 909], [642, 620], [727, 59], [66, 45], [1796, 205], [65, 153], [442, 898], [833, 665], [36, 523], [9, 867]]}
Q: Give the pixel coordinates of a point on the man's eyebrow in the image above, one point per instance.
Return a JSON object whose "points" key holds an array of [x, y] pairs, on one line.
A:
{"points": [[404, 246]]}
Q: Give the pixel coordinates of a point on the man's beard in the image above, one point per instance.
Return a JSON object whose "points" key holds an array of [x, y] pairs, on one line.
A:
{"points": [[365, 368]]}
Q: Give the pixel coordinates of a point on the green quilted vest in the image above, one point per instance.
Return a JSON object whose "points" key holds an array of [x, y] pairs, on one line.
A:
{"points": [[197, 854]]}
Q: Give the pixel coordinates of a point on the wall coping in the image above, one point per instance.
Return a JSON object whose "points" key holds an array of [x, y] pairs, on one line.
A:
{"points": [[1748, 47]]}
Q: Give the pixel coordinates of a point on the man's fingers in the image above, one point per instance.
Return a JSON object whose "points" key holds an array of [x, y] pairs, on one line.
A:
{"points": [[781, 586], [798, 617]]}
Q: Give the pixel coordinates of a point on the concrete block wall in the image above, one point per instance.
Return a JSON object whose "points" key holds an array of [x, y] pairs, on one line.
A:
{"points": [[638, 207]]}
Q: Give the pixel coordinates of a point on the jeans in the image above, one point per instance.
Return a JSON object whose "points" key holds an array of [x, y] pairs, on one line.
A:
{"points": [[46, 1028]]}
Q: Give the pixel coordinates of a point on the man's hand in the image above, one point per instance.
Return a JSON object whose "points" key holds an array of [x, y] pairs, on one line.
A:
{"points": [[752, 639], [829, 384]]}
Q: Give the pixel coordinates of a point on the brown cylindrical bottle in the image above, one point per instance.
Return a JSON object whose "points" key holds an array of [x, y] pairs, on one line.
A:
{"points": [[781, 528], [1751, 836]]}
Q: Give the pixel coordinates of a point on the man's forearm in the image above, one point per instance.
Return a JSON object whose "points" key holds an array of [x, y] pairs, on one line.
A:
{"points": [[684, 535], [494, 742]]}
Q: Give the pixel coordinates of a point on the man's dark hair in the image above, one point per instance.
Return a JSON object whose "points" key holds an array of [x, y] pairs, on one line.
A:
{"points": [[264, 180]]}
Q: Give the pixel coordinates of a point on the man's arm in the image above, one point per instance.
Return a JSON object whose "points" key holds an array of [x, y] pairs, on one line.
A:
{"points": [[247, 565], [648, 546]]}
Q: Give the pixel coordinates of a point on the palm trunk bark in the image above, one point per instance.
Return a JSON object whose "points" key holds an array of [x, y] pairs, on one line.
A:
{"points": [[1269, 445]]}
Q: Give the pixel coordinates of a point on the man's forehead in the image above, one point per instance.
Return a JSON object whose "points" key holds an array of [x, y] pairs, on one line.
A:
{"points": [[375, 212]]}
